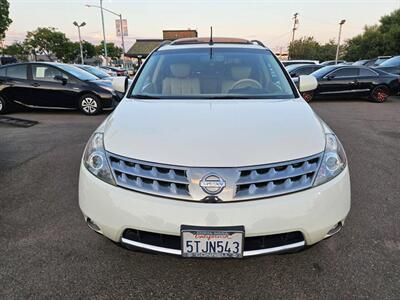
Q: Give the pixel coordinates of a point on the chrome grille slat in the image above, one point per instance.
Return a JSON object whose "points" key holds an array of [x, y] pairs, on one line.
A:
{"points": [[277, 179], [151, 178], [276, 175], [149, 174], [246, 183]]}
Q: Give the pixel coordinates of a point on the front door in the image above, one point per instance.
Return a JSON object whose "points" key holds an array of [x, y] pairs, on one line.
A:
{"points": [[341, 81], [52, 88]]}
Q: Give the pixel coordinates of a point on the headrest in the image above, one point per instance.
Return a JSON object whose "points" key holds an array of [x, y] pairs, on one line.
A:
{"points": [[180, 70], [240, 72]]}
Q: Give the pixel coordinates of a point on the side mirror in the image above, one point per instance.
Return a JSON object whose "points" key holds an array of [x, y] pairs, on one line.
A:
{"points": [[307, 83], [330, 77], [120, 84], [293, 75], [61, 78]]}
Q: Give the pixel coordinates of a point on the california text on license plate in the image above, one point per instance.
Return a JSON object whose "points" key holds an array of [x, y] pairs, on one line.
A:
{"points": [[218, 242]]}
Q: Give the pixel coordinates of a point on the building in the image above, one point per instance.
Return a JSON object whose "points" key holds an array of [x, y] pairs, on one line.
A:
{"points": [[143, 47], [179, 34]]}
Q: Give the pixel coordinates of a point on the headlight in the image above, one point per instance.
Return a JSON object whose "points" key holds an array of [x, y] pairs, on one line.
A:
{"points": [[95, 159], [333, 162]]}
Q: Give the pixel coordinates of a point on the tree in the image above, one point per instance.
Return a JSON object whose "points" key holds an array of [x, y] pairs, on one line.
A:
{"points": [[17, 50], [89, 50], [381, 39], [5, 21], [48, 41], [327, 51], [304, 48], [113, 51]]}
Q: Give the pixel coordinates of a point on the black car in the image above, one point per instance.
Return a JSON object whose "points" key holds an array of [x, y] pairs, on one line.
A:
{"points": [[302, 69], [332, 62], [391, 65], [99, 73], [56, 86], [371, 62], [354, 81], [118, 71]]}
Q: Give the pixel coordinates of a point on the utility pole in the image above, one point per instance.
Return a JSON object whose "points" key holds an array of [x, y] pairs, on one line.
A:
{"points": [[80, 40], [295, 24], [338, 44], [104, 32]]}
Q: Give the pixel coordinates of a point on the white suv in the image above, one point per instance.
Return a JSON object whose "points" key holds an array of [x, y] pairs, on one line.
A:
{"points": [[213, 153]]}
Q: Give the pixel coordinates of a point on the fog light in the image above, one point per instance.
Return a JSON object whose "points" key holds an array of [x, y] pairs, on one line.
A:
{"points": [[335, 229], [92, 225]]}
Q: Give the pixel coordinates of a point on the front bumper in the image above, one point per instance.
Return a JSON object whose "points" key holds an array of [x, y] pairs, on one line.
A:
{"points": [[313, 212]]}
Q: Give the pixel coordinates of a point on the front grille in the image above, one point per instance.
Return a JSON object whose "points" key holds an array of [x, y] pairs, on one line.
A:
{"points": [[276, 179], [250, 243], [149, 177], [243, 183]]}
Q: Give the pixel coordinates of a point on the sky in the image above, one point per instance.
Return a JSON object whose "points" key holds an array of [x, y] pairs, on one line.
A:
{"points": [[267, 20]]}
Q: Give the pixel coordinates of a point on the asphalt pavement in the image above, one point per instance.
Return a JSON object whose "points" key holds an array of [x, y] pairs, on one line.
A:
{"points": [[47, 251]]}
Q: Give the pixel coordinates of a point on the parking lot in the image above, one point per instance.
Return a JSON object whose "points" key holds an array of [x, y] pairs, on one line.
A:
{"points": [[48, 251]]}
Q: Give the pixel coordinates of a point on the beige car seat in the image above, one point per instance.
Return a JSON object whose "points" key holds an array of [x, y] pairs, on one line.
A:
{"points": [[237, 73], [180, 83]]}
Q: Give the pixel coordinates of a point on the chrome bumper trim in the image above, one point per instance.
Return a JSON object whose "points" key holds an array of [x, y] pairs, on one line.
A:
{"points": [[245, 253], [274, 249], [151, 247]]}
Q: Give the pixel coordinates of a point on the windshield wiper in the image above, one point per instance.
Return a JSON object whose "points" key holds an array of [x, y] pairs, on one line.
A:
{"points": [[229, 97], [139, 96]]}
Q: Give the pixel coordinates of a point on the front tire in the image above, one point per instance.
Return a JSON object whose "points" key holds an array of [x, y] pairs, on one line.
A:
{"points": [[380, 94], [90, 105], [307, 96], [3, 106]]}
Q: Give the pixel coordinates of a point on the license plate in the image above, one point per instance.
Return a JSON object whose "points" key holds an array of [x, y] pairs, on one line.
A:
{"points": [[216, 242]]}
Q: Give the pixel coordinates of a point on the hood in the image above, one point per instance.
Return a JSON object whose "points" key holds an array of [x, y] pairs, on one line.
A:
{"points": [[103, 82], [214, 133]]}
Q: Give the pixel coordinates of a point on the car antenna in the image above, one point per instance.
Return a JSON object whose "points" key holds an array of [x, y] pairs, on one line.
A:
{"points": [[211, 42], [211, 37]]}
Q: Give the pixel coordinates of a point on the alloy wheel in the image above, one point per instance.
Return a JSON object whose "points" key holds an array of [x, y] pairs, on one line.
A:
{"points": [[89, 105], [380, 94]]}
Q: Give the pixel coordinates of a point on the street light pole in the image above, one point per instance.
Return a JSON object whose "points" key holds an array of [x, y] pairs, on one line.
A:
{"points": [[338, 45], [122, 40], [121, 27], [104, 32], [80, 40]]}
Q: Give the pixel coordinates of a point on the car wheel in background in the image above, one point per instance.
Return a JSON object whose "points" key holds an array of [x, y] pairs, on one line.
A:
{"points": [[307, 96], [380, 94], [89, 105], [3, 106]]}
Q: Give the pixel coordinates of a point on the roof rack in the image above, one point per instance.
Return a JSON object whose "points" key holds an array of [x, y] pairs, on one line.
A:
{"points": [[258, 43], [206, 40]]}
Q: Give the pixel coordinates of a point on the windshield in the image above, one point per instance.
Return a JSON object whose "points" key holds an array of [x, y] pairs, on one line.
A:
{"points": [[291, 68], [212, 73], [360, 63], [323, 71], [78, 73], [392, 62], [95, 71]]}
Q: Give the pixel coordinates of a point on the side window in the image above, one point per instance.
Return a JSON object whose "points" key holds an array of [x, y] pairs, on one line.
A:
{"points": [[2, 72], [46, 73], [304, 71], [366, 72], [18, 72], [346, 72]]}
